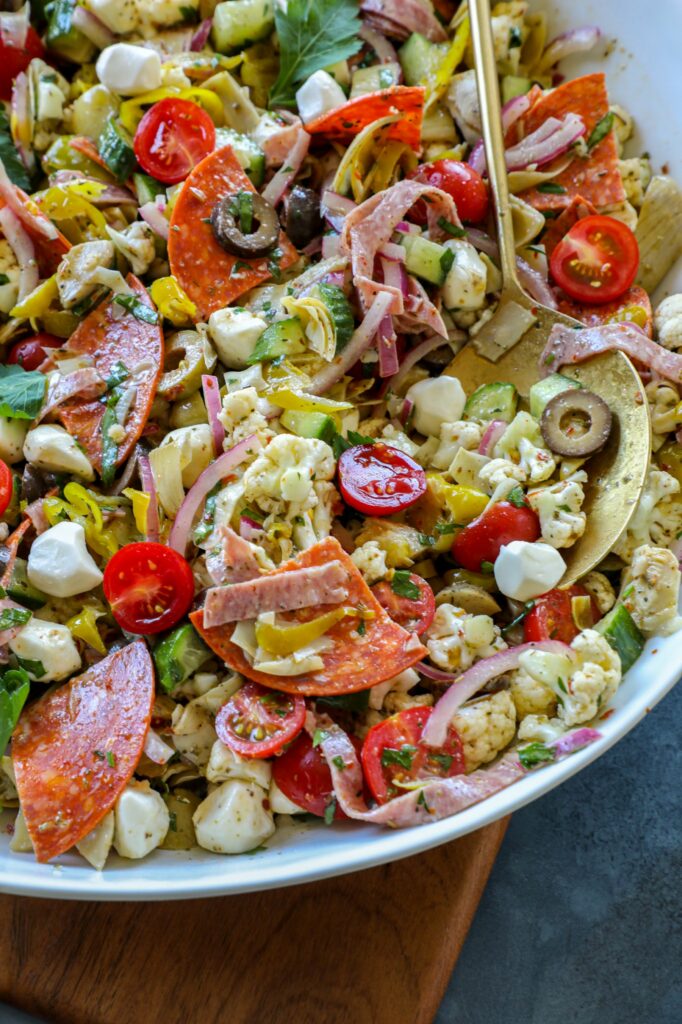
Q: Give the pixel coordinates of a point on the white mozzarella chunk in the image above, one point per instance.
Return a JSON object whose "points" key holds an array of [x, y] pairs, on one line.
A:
{"points": [[60, 564], [120, 16], [223, 764], [51, 644], [129, 70], [96, 845], [318, 95], [281, 804], [12, 436], [437, 400], [141, 821], [52, 448], [234, 333], [195, 445], [524, 571], [234, 818], [466, 283]]}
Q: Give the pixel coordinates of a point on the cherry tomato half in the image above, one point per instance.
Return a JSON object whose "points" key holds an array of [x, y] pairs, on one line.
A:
{"points": [[149, 587], [303, 775], [257, 722], [393, 753], [415, 614], [463, 183], [172, 137], [552, 616], [6, 486], [30, 352], [481, 540], [378, 480], [14, 60], [597, 260]]}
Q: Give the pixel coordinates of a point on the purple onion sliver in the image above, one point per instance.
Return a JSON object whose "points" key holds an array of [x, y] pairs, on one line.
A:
{"points": [[200, 37]]}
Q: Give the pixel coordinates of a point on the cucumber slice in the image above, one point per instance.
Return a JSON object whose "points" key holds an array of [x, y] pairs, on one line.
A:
{"points": [[426, 259], [65, 40], [496, 401], [284, 338], [420, 58], [624, 636], [239, 23], [115, 148], [513, 85], [19, 588], [309, 424], [248, 153], [544, 390], [338, 305], [381, 76], [147, 188], [179, 654]]}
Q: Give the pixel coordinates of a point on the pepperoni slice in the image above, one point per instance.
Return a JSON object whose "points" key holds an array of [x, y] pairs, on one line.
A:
{"points": [[634, 306], [75, 749], [348, 120], [360, 658]]}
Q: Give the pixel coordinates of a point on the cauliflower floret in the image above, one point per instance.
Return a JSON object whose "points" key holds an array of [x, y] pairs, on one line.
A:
{"points": [[499, 477], [539, 729], [665, 408], [558, 507], [455, 639], [241, 416], [668, 322], [136, 245], [371, 561], [598, 585], [531, 696], [522, 443], [399, 684], [636, 175], [651, 587], [399, 439], [286, 471], [658, 517], [485, 727], [453, 436]]}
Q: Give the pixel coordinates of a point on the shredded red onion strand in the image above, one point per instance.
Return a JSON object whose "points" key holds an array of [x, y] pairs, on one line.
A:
{"points": [[149, 487], [211, 390], [200, 37], [92, 28], [275, 189]]}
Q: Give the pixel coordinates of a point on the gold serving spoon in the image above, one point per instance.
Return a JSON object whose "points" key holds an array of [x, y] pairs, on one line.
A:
{"points": [[617, 473]]}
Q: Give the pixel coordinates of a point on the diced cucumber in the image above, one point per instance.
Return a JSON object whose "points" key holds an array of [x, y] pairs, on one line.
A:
{"points": [[19, 588], [497, 401], [513, 85], [179, 654], [379, 76], [248, 153], [239, 23], [65, 40], [624, 636], [283, 338], [147, 188], [309, 424], [116, 149], [544, 390], [426, 259], [420, 58], [338, 305]]}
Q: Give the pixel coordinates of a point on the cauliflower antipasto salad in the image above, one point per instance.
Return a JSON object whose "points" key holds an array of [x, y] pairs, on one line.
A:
{"points": [[261, 556]]}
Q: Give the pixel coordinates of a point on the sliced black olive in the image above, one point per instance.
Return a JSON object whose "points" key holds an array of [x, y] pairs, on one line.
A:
{"points": [[576, 423], [302, 220], [36, 483], [244, 224]]}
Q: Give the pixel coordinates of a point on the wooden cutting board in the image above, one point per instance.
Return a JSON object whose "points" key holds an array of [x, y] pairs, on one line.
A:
{"points": [[375, 947]]}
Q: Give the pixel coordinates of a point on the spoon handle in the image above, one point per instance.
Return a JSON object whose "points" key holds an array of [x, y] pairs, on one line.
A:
{"points": [[493, 140]]}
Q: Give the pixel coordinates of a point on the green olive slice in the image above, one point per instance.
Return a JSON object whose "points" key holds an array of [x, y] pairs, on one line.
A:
{"points": [[184, 365], [244, 224], [576, 423]]}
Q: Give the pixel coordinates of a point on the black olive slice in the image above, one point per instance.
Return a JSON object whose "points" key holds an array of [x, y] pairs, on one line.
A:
{"points": [[250, 212], [576, 423], [302, 220]]}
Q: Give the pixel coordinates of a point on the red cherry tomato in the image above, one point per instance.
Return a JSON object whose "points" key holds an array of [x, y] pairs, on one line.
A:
{"points": [[6, 486], [393, 753], [552, 616], [481, 540], [378, 480], [597, 260], [149, 587], [30, 352], [172, 137], [14, 60], [302, 774], [257, 722], [415, 614], [463, 183]]}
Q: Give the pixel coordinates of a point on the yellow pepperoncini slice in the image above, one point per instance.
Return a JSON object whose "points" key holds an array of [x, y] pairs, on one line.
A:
{"points": [[37, 302], [283, 640], [140, 502], [80, 506], [453, 59], [630, 315], [581, 611], [285, 398], [69, 203], [131, 111], [83, 626], [172, 301]]}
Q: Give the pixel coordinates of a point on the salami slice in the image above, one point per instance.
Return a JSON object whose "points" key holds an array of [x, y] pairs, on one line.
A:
{"points": [[348, 120], [595, 177], [211, 276], [359, 658], [628, 308], [75, 749], [112, 340]]}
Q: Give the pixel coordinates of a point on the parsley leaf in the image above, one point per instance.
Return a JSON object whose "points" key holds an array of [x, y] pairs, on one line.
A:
{"points": [[487, 567], [347, 701], [451, 229], [446, 260], [319, 736], [13, 617], [356, 438], [312, 35], [14, 688], [447, 527], [600, 130], [535, 753], [402, 757], [403, 586], [516, 497], [330, 811], [339, 762], [119, 373], [35, 668], [551, 188], [10, 158], [21, 392], [444, 761], [138, 309]]}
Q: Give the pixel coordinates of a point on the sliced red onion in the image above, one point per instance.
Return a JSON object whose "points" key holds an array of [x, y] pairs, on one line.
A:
{"points": [[23, 249], [431, 672], [413, 357], [275, 189], [211, 389], [331, 246], [36, 513], [312, 248], [212, 475], [491, 436], [513, 110], [477, 157], [483, 242], [153, 530], [387, 348], [533, 282], [21, 115], [154, 216], [380, 44], [470, 682], [154, 747], [407, 229], [545, 144], [249, 529], [395, 275], [391, 251], [576, 40], [359, 343], [14, 27], [92, 28], [574, 741], [405, 412], [17, 204], [200, 37], [127, 474], [332, 202]]}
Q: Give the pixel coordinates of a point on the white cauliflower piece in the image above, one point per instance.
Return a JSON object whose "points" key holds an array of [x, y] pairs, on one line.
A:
{"points": [[286, 470], [455, 639], [485, 726], [136, 245], [241, 416], [665, 408], [453, 436], [399, 439], [539, 729], [658, 517], [400, 684], [650, 590], [599, 586], [558, 507], [371, 561], [668, 322], [499, 477], [523, 444], [636, 175]]}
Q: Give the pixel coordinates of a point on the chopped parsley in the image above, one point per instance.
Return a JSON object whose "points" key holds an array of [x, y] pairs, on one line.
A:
{"points": [[402, 757], [447, 527], [551, 188], [426, 540], [330, 811], [205, 524], [446, 260], [451, 229], [517, 497], [13, 617], [339, 762], [487, 567], [21, 392], [4, 279], [600, 130], [319, 736], [404, 586], [358, 702], [362, 628], [9, 156], [527, 608], [444, 761], [14, 690], [172, 821], [515, 38], [34, 668], [119, 373], [140, 310], [534, 754]]}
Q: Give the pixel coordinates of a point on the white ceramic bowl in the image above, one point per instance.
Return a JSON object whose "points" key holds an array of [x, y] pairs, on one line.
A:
{"points": [[643, 76]]}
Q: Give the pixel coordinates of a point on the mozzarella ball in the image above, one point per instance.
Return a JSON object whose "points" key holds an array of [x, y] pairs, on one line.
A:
{"points": [[60, 564], [318, 95], [233, 818], [52, 448], [234, 333], [524, 570], [51, 644], [129, 70], [437, 400], [141, 821], [465, 286], [196, 450], [281, 804], [12, 436]]}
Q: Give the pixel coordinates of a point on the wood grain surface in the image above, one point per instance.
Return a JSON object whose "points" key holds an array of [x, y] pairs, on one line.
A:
{"points": [[375, 947]]}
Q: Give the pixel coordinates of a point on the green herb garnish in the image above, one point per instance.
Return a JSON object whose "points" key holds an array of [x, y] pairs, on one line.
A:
{"points": [[138, 309], [536, 753], [14, 690], [402, 757], [21, 392], [600, 130], [551, 188], [403, 586]]}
